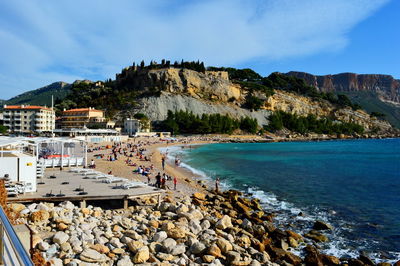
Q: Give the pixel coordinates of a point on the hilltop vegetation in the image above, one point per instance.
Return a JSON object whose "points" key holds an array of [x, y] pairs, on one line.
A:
{"points": [[41, 96]]}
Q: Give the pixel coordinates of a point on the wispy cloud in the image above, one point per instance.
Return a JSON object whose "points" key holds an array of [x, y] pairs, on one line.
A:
{"points": [[45, 41]]}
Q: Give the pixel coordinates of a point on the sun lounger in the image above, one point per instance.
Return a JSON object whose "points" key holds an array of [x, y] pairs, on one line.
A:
{"points": [[114, 179], [90, 172], [100, 176], [133, 184]]}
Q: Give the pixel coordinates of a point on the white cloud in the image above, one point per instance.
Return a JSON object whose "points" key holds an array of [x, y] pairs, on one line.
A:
{"points": [[45, 41]]}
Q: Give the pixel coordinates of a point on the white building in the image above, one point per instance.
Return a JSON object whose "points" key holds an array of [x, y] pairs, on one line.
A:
{"points": [[131, 126], [28, 118], [134, 126], [18, 164]]}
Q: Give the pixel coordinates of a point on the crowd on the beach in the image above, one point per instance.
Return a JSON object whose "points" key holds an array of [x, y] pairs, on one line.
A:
{"points": [[130, 151]]}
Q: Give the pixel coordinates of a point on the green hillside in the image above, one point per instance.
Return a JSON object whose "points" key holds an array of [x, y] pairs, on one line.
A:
{"points": [[41, 96], [371, 103]]}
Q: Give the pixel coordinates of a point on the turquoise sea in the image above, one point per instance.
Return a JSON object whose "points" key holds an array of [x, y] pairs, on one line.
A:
{"points": [[352, 184]]}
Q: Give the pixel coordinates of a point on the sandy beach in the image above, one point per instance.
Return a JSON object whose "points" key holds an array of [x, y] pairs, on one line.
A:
{"points": [[186, 183]]}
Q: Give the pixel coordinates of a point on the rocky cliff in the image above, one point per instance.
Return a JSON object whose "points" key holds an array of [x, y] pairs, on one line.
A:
{"points": [[211, 85], [213, 92], [386, 87]]}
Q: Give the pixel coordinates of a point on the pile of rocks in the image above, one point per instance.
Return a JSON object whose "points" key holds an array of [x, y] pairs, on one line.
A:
{"points": [[214, 229]]}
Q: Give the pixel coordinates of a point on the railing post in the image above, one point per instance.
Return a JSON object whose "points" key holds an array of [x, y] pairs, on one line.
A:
{"points": [[1, 244]]}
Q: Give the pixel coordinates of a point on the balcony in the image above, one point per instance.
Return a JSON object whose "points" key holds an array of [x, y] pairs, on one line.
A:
{"points": [[17, 118]]}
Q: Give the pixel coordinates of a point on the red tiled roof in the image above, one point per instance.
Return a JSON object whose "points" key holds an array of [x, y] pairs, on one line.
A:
{"points": [[81, 110], [26, 107]]}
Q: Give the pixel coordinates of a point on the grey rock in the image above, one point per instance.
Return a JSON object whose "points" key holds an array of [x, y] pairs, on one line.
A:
{"points": [[168, 244], [125, 261], [197, 248], [160, 236], [178, 250]]}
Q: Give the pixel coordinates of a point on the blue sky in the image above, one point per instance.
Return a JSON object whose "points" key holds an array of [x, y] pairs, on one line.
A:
{"points": [[44, 41]]}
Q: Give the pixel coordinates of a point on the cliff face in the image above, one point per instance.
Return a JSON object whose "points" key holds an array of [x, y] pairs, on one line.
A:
{"points": [[211, 85], [157, 108], [213, 92], [387, 88]]}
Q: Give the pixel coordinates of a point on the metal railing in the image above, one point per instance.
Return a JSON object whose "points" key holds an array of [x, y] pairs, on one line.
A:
{"points": [[12, 252]]}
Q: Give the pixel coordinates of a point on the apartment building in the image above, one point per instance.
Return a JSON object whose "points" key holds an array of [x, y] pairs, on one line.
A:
{"points": [[28, 118], [84, 118]]}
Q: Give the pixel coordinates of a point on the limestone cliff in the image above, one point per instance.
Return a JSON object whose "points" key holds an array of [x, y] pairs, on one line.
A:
{"points": [[211, 85], [213, 92], [385, 86]]}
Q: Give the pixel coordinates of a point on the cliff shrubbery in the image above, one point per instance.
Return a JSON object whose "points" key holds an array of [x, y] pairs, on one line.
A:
{"points": [[310, 123], [182, 122]]}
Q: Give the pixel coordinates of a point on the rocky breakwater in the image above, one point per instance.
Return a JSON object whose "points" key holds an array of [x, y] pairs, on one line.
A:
{"points": [[214, 229]]}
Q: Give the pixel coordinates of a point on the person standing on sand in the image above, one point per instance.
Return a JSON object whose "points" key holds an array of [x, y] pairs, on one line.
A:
{"points": [[163, 162], [158, 180], [217, 184], [175, 182]]}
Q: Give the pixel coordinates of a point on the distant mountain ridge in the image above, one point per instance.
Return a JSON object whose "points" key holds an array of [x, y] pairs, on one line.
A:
{"points": [[374, 92], [41, 96]]}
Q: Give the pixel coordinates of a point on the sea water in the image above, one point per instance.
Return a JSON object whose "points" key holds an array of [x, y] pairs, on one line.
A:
{"points": [[353, 185]]}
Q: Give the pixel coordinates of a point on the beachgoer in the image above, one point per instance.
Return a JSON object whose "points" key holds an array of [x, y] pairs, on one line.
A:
{"points": [[163, 180], [175, 182], [158, 180], [163, 162], [217, 184], [92, 164]]}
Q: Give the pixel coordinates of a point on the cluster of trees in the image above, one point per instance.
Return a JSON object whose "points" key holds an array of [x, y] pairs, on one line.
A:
{"points": [[310, 123], [192, 65], [182, 122], [108, 98]]}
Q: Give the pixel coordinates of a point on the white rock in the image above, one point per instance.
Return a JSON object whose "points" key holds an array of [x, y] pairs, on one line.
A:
{"points": [[205, 224], [56, 262], [60, 237], [32, 206], [42, 206], [43, 246]]}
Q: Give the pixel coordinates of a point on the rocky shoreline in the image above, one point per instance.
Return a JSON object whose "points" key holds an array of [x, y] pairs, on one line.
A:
{"points": [[223, 228]]}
